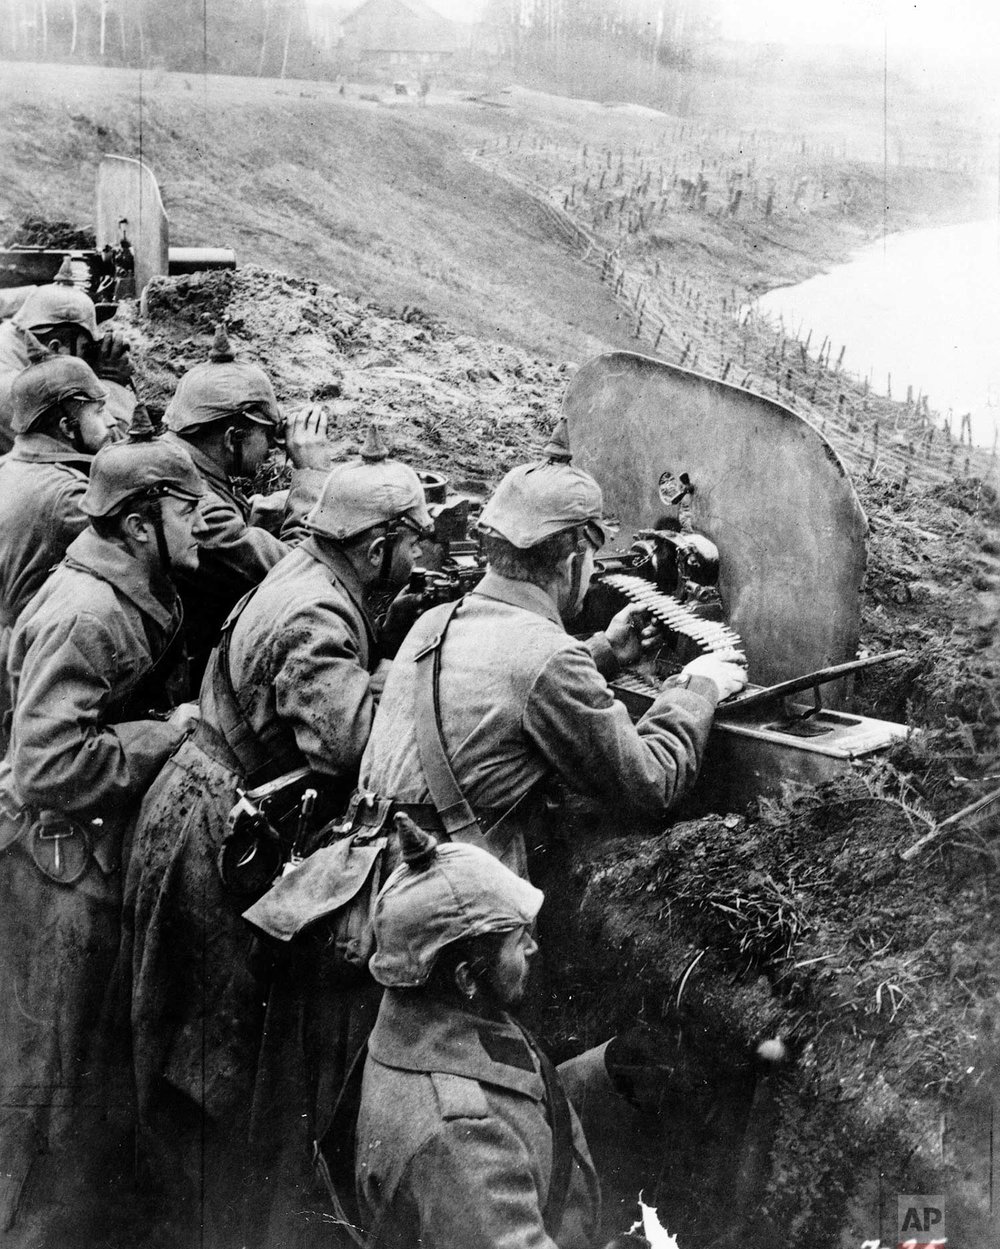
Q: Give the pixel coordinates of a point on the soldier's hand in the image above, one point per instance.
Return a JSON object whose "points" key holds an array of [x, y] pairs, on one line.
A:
{"points": [[185, 717], [112, 360], [403, 611], [377, 680], [631, 634], [306, 442], [725, 668]]}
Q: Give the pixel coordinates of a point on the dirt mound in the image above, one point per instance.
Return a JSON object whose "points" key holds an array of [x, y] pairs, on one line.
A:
{"points": [[447, 401]]}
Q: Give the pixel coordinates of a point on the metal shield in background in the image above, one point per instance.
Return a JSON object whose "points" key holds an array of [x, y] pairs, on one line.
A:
{"points": [[768, 490], [128, 191]]}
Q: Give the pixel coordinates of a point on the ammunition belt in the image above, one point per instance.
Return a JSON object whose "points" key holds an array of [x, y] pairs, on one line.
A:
{"points": [[708, 634]]}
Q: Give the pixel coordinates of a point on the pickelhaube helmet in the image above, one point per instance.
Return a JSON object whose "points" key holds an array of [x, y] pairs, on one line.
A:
{"points": [[57, 304], [142, 466], [39, 387], [536, 501], [368, 491], [441, 893], [222, 388]]}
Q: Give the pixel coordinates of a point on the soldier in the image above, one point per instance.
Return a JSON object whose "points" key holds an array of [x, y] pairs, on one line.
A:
{"points": [[90, 663], [291, 685], [226, 413], [516, 699], [64, 320], [59, 421], [464, 1136]]}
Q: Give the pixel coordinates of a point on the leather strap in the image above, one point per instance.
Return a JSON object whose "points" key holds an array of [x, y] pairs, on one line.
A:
{"points": [[457, 817], [255, 752], [561, 1123]]}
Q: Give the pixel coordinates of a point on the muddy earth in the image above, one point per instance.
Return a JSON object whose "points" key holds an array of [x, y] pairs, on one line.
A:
{"points": [[797, 918]]}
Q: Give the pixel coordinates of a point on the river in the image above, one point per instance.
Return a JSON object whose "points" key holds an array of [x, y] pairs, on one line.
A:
{"points": [[921, 308]]}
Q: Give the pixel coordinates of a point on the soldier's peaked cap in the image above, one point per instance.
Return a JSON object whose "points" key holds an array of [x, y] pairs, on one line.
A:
{"points": [[442, 893], [369, 490], [536, 501]]}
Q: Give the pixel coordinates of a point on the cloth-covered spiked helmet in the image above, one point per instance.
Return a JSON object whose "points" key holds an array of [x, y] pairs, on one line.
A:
{"points": [[442, 893], [370, 490], [57, 304], [222, 388], [141, 466], [537, 501], [39, 387]]}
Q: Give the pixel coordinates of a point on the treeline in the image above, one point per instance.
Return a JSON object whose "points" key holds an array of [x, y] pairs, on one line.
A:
{"points": [[664, 32], [262, 37], [638, 50]]}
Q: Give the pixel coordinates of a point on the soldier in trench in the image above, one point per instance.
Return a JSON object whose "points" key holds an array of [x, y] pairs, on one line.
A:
{"points": [[292, 685], [92, 668], [519, 702]]}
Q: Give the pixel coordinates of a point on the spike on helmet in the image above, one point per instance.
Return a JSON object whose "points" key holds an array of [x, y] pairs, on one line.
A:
{"points": [[36, 349], [418, 847], [141, 428], [38, 388], [65, 275], [557, 448], [374, 449], [222, 351]]}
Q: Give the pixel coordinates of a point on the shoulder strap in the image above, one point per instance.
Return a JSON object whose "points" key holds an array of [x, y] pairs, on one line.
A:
{"points": [[446, 793], [254, 751], [561, 1122], [334, 1150]]}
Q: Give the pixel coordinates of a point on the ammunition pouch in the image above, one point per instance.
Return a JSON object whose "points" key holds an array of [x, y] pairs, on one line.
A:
{"points": [[328, 899]]}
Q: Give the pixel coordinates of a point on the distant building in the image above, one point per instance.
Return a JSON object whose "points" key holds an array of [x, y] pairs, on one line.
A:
{"points": [[399, 32]]}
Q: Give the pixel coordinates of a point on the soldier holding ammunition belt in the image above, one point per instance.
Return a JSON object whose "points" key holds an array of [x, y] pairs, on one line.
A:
{"points": [[516, 700], [90, 667], [226, 414], [292, 685]]}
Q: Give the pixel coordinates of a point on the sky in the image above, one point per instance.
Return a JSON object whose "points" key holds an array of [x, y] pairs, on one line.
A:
{"points": [[931, 26], [928, 26]]}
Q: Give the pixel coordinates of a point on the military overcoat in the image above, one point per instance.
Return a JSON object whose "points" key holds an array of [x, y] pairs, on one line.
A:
{"points": [[454, 1147]]}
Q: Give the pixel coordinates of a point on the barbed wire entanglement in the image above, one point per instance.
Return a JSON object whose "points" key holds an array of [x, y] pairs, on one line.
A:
{"points": [[602, 200]]}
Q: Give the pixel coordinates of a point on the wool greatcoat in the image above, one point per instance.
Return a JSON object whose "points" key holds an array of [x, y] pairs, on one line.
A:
{"points": [[521, 701], [42, 481], [237, 550], [454, 1147], [301, 656], [78, 654]]}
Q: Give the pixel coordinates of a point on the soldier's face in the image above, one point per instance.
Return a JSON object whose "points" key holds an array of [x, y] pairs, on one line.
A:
{"points": [[509, 974], [182, 527], [94, 423]]}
